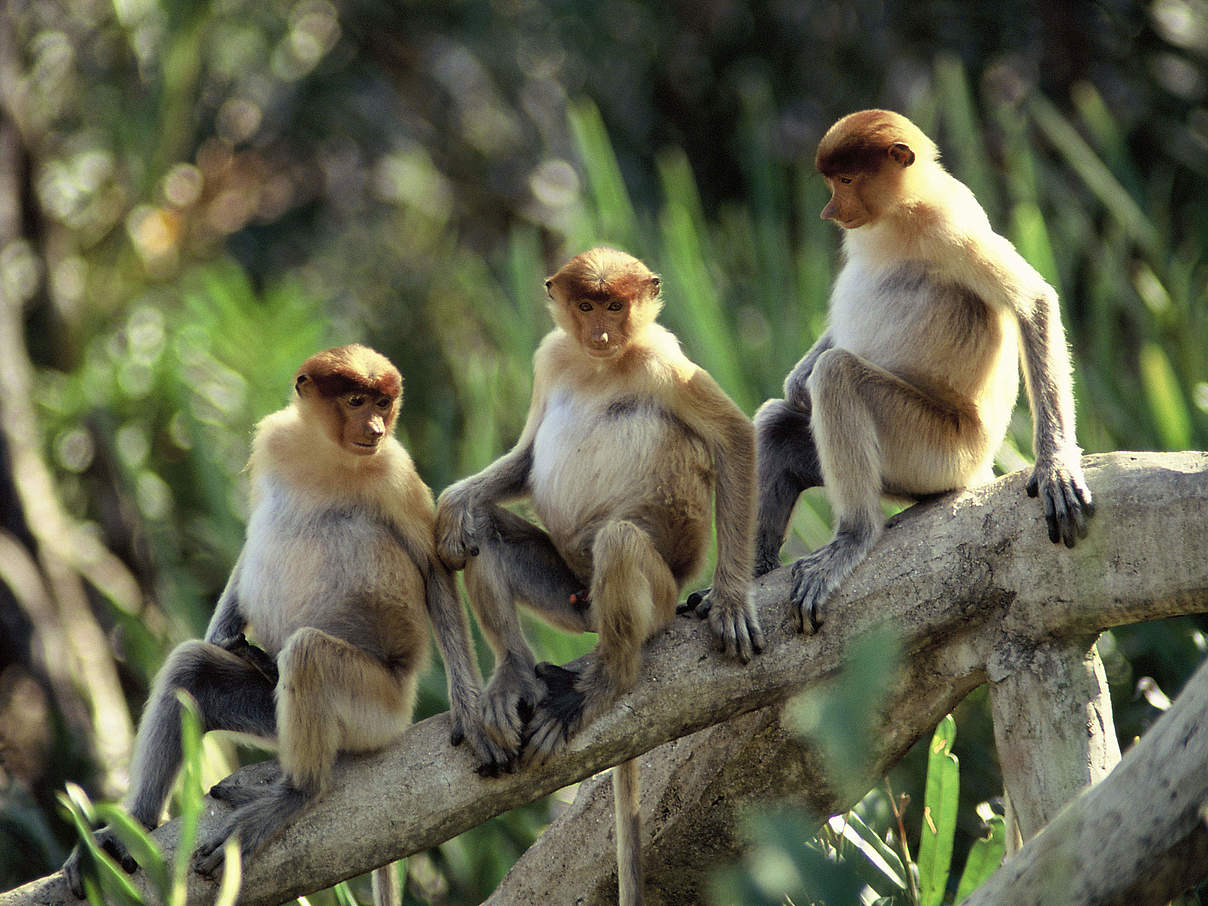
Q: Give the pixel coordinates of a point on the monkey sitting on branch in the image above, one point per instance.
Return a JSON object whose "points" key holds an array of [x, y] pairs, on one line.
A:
{"points": [[625, 443], [337, 569], [909, 391]]}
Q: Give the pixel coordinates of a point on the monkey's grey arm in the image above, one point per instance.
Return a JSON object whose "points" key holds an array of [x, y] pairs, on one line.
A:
{"points": [[461, 670], [794, 385], [228, 620], [460, 507], [1057, 478]]}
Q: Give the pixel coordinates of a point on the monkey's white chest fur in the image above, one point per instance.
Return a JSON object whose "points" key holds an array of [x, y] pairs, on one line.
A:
{"points": [[593, 455], [309, 562]]}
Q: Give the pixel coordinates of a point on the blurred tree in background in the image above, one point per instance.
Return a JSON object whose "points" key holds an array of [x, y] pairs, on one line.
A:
{"points": [[194, 196]]}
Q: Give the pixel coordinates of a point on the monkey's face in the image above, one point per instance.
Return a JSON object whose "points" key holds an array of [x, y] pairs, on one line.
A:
{"points": [[602, 325], [363, 419], [861, 195], [844, 207]]}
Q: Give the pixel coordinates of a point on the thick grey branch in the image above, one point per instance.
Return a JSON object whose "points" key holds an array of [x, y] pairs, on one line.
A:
{"points": [[966, 580], [1137, 838]]}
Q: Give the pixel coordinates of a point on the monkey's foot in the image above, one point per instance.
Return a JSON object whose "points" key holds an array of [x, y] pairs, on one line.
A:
{"points": [[558, 716], [765, 562], [697, 605], [507, 707], [468, 727], [210, 856], [817, 576], [735, 626], [108, 841], [236, 791]]}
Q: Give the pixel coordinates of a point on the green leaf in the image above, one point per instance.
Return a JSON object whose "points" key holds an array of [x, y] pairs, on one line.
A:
{"points": [[137, 840], [879, 854], [115, 884], [985, 856], [836, 717], [1166, 402], [939, 814]]}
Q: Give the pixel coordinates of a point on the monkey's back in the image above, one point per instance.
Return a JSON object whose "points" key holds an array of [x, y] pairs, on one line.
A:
{"points": [[620, 455]]}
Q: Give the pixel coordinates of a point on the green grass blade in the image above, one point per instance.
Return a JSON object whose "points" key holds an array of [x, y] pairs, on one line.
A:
{"points": [[1171, 417], [1095, 174], [941, 796], [613, 206]]}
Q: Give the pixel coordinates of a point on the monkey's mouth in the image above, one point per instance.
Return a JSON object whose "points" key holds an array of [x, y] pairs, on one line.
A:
{"points": [[365, 447]]}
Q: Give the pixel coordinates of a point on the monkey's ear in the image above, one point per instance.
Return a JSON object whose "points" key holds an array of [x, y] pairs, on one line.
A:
{"points": [[302, 381], [549, 288], [655, 283], [900, 151]]}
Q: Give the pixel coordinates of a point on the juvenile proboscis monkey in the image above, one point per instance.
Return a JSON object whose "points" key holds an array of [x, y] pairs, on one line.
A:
{"points": [[909, 391], [337, 570], [625, 444]]}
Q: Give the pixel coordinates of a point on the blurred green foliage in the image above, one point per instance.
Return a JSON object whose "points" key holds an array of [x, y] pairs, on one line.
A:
{"points": [[214, 190]]}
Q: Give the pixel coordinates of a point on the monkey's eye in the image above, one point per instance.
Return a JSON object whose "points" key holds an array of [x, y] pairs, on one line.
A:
{"points": [[356, 402], [384, 402], [584, 306], [614, 305], [846, 180]]}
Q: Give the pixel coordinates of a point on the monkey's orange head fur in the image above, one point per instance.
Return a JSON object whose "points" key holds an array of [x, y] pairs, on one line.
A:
{"points": [[354, 393], [872, 161], [604, 299]]}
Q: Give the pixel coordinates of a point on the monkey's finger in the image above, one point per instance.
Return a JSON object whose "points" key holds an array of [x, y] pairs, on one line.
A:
{"points": [[1034, 485], [756, 630], [1063, 512], [1050, 517], [120, 855], [699, 604], [813, 616], [1078, 511]]}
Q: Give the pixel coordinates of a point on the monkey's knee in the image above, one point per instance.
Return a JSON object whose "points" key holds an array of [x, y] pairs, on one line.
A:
{"points": [[309, 731], [630, 585]]}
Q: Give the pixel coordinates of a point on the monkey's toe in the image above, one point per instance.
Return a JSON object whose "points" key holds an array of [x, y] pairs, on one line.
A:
{"points": [[698, 605], [210, 857]]}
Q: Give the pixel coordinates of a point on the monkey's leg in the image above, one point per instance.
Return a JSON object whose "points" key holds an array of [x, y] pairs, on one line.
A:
{"points": [[875, 431], [517, 562], [787, 465], [332, 697], [231, 695], [633, 595]]}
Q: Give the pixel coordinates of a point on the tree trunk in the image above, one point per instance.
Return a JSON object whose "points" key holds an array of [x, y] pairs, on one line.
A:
{"points": [[951, 577]]}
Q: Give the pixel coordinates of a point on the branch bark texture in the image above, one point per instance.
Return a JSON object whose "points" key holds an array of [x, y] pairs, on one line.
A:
{"points": [[968, 581]]}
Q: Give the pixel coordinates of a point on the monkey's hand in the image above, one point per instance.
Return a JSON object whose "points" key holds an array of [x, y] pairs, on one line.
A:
{"points": [[507, 706], [107, 840], [253, 654], [456, 535], [1066, 497]]}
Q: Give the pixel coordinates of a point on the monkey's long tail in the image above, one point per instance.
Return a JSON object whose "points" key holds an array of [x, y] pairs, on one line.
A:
{"points": [[626, 790], [387, 891]]}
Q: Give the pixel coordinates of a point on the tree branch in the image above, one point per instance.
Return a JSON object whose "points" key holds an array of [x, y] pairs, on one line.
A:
{"points": [[965, 580], [1137, 838]]}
